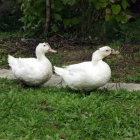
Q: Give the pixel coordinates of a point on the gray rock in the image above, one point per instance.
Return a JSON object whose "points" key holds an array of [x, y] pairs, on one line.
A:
{"points": [[4, 73], [56, 81], [117, 86]]}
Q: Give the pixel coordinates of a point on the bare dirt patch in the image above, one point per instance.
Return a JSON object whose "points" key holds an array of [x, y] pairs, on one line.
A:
{"points": [[125, 66]]}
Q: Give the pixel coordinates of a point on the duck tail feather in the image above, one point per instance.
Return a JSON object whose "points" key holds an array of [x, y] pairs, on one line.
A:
{"points": [[59, 71], [11, 60]]}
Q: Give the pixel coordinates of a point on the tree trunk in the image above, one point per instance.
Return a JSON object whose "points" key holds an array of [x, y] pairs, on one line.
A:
{"points": [[48, 16]]}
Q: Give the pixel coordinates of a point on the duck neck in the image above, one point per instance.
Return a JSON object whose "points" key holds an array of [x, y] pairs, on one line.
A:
{"points": [[96, 57], [40, 55]]}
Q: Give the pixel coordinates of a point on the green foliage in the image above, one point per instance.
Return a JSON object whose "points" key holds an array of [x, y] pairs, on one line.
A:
{"points": [[125, 4], [72, 13], [34, 14], [9, 15], [128, 33], [116, 9]]}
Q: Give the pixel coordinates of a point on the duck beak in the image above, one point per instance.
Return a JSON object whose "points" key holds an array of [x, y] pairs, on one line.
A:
{"points": [[114, 52], [52, 50]]}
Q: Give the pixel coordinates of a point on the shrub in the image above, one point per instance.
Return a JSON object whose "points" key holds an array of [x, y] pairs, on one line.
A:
{"points": [[9, 15], [90, 17]]}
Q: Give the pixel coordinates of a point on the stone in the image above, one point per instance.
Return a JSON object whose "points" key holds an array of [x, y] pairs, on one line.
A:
{"points": [[56, 81], [126, 86], [5, 73]]}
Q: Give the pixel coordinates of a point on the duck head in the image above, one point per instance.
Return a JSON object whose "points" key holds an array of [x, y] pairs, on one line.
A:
{"points": [[43, 48], [103, 52]]}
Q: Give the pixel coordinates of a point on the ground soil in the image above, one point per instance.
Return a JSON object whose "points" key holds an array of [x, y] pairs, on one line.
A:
{"points": [[74, 51]]}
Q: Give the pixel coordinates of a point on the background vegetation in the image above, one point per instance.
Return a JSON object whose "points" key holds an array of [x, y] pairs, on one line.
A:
{"points": [[90, 19]]}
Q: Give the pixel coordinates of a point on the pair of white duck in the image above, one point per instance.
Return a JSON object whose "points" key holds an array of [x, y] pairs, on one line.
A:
{"points": [[83, 76]]}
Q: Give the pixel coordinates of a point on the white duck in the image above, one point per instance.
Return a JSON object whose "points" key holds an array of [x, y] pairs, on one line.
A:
{"points": [[89, 75], [33, 71]]}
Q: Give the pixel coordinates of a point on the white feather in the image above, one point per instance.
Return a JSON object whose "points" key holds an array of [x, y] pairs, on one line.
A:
{"points": [[32, 71], [87, 75]]}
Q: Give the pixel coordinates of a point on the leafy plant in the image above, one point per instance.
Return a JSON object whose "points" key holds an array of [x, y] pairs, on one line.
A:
{"points": [[79, 15], [9, 11]]}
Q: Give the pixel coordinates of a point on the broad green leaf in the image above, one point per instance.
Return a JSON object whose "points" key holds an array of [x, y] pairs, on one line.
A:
{"points": [[98, 5], [121, 18], [125, 4], [54, 29], [72, 2], [116, 9], [124, 20], [57, 5], [71, 21], [107, 17], [108, 11], [66, 22], [104, 3], [118, 18], [101, 4], [69, 2], [57, 17], [75, 20]]}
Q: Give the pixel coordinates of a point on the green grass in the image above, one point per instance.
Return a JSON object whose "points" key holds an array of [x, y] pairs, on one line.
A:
{"points": [[125, 66], [14, 34], [55, 114]]}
